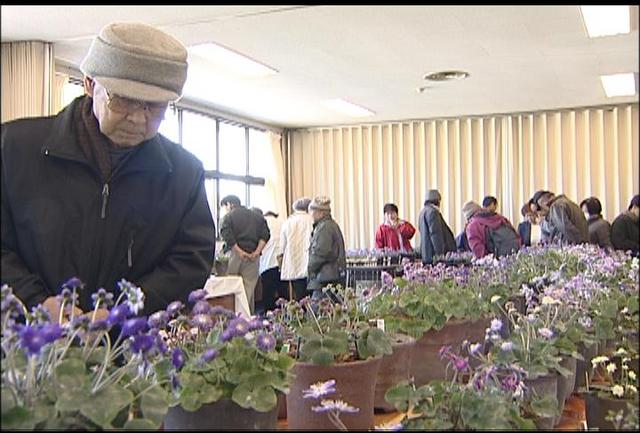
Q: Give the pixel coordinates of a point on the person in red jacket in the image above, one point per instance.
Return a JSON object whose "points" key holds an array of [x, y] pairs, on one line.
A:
{"points": [[481, 219], [394, 234]]}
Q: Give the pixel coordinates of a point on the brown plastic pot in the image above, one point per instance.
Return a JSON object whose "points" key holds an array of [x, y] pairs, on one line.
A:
{"points": [[565, 384], [426, 364], [223, 414], [544, 386], [355, 384], [597, 409], [393, 369]]}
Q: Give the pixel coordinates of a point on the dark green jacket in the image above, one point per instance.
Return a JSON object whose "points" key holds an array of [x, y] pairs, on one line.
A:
{"points": [[327, 258]]}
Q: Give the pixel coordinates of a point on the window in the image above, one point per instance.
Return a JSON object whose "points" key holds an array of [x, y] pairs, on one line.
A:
{"points": [[233, 149], [71, 90], [170, 126], [199, 137]]}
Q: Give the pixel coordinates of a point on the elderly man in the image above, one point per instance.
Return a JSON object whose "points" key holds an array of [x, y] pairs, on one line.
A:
{"points": [[564, 222], [96, 193], [327, 258], [436, 237]]}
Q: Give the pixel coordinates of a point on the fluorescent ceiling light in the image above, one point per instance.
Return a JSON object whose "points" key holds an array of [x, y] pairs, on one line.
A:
{"points": [[232, 60], [344, 107], [606, 20], [619, 84]]}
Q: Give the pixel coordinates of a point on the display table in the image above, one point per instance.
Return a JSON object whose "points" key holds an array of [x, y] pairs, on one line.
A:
{"points": [[223, 290]]}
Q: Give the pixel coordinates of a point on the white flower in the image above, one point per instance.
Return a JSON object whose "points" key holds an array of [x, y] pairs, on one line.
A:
{"points": [[624, 310], [632, 375], [611, 368], [617, 390], [495, 298], [632, 388], [620, 351], [598, 359]]}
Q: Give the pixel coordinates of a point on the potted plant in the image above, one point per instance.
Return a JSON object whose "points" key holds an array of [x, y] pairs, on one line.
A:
{"points": [[62, 375], [332, 339], [225, 370], [609, 393]]}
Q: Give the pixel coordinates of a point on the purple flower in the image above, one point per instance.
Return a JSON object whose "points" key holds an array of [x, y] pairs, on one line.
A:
{"points": [[134, 326], [386, 278], [175, 382], [460, 363], [73, 283], [103, 297], [174, 308], [201, 307], [202, 322], [265, 342], [51, 332], [238, 327], [320, 389], [474, 348], [99, 325], [280, 302], [220, 310], [496, 325], [255, 324], [334, 405], [177, 358], [118, 314], [31, 340], [444, 351], [158, 319], [197, 295], [510, 383], [506, 346], [545, 332], [226, 335], [142, 343], [209, 355]]}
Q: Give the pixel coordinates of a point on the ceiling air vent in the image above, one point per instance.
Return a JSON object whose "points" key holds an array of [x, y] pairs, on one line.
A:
{"points": [[446, 75]]}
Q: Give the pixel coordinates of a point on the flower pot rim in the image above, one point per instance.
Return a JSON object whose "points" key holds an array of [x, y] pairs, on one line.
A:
{"points": [[340, 364]]}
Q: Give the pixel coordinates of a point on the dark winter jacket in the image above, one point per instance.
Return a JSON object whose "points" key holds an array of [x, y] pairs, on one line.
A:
{"points": [[327, 258], [599, 231], [150, 223], [524, 230], [435, 235], [567, 222], [625, 233], [244, 227]]}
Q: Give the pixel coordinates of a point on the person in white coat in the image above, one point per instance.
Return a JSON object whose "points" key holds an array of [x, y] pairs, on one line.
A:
{"points": [[272, 285], [295, 237]]}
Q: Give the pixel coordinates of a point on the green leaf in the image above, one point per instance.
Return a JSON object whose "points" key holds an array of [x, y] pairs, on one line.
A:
{"points": [[243, 396], [17, 418], [322, 357], [210, 393], [189, 400], [336, 345], [72, 400], [265, 399], [71, 374], [399, 396], [545, 407], [102, 407], [154, 405], [140, 424], [7, 400]]}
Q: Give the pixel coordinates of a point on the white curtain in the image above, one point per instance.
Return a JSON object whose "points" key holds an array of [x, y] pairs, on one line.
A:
{"points": [[28, 80], [274, 177], [578, 152]]}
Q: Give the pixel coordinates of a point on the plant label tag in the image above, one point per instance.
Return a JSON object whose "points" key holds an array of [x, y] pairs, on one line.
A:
{"points": [[380, 324], [285, 348]]}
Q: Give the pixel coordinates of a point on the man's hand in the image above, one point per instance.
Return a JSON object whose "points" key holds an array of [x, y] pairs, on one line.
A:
{"points": [[100, 314], [52, 305]]}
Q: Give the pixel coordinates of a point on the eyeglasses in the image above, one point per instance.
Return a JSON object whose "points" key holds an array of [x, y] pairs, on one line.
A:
{"points": [[122, 105]]}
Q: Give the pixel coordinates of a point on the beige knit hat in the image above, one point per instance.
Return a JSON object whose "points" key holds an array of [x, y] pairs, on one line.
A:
{"points": [[469, 209], [320, 203], [137, 61]]}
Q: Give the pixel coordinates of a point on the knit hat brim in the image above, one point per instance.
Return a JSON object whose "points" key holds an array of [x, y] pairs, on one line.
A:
{"points": [[315, 206], [136, 90]]}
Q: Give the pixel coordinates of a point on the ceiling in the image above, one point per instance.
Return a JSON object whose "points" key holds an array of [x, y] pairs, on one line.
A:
{"points": [[521, 58]]}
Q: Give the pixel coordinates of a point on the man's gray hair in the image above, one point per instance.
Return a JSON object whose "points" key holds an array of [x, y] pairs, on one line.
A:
{"points": [[302, 204]]}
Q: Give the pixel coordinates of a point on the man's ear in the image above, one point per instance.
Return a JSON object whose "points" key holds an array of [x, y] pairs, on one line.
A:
{"points": [[88, 86]]}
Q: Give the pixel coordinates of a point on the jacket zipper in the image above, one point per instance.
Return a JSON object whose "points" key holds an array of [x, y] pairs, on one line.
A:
{"points": [[105, 198], [129, 256]]}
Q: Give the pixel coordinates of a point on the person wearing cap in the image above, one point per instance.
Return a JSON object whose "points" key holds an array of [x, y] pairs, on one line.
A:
{"points": [[462, 242], [481, 221], [394, 234], [625, 229], [436, 238], [245, 233], [293, 251], [327, 257], [563, 220], [96, 193]]}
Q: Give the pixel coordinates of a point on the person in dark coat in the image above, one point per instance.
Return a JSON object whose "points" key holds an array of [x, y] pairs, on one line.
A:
{"points": [[599, 228], [436, 238], [564, 222], [96, 193], [481, 220], [625, 229], [327, 256]]}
